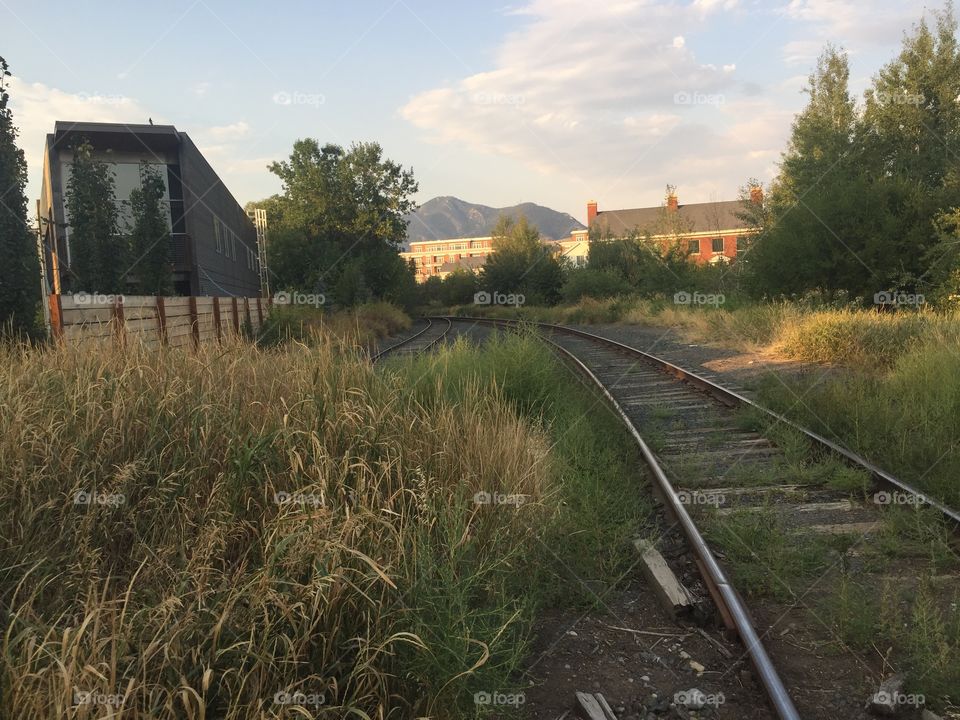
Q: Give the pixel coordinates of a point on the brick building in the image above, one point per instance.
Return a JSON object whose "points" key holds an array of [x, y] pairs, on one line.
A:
{"points": [[710, 232], [439, 258]]}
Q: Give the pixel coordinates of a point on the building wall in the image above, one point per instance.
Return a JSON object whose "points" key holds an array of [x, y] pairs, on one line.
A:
{"points": [[195, 196], [429, 255], [207, 204]]}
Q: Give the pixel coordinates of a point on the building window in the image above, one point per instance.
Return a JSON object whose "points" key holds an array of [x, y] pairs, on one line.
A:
{"points": [[216, 235], [717, 244], [693, 247], [743, 243]]}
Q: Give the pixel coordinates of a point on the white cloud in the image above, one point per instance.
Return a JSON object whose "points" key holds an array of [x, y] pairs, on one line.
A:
{"points": [[856, 21], [36, 107], [618, 106], [222, 133]]}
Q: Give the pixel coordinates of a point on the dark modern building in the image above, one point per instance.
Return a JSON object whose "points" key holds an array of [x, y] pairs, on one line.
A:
{"points": [[213, 245]]}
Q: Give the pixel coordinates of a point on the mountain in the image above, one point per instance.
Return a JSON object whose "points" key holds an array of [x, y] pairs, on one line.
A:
{"points": [[448, 217]]}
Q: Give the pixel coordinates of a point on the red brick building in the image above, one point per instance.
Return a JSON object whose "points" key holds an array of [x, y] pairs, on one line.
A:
{"points": [[710, 232]]}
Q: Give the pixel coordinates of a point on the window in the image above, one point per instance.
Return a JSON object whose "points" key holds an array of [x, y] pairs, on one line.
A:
{"points": [[717, 244], [743, 243], [233, 245], [216, 235], [693, 247]]}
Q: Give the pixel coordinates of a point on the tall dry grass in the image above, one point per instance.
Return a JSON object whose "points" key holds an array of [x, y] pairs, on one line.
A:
{"points": [[189, 586]]}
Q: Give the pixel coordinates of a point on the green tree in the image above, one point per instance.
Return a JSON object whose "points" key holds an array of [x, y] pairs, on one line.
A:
{"points": [[150, 235], [459, 287], [99, 253], [520, 263], [341, 212], [912, 129], [20, 276], [821, 209]]}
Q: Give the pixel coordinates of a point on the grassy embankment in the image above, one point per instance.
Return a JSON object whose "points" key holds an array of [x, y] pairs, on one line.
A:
{"points": [[195, 535], [895, 397]]}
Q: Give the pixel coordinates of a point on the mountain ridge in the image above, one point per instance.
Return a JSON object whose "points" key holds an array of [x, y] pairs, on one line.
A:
{"points": [[447, 217]]}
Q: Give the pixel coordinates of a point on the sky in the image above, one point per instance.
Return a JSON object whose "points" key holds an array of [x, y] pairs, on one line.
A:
{"points": [[556, 102]]}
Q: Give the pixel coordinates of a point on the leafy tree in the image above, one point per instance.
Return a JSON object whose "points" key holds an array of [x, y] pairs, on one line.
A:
{"points": [[817, 217], [459, 287], [99, 253], [341, 213], [150, 235], [587, 282], [20, 275], [649, 265], [912, 129], [520, 263]]}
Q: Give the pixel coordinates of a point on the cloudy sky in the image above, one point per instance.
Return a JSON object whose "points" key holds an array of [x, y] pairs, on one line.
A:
{"points": [[550, 101]]}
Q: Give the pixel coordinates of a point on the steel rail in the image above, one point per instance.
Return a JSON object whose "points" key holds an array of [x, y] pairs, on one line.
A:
{"points": [[731, 398], [413, 337], [721, 589]]}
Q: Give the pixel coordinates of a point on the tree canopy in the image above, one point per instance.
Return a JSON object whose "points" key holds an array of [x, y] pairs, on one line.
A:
{"points": [[20, 277], [339, 221]]}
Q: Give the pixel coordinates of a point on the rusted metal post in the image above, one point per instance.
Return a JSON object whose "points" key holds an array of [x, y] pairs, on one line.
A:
{"points": [[216, 318], [56, 317], [194, 322], [236, 315], [119, 322], [161, 320]]}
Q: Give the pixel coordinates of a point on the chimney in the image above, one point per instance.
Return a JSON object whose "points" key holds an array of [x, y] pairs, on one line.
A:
{"points": [[672, 201], [591, 212], [756, 194]]}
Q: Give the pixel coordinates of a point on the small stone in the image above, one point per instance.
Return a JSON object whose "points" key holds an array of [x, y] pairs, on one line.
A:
{"points": [[572, 633], [645, 678], [884, 701], [684, 654], [629, 679], [566, 667], [696, 667]]}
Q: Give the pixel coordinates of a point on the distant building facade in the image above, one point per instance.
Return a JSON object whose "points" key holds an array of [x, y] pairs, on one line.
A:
{"points": [[709, 232], [214, 247], [439, 258]]}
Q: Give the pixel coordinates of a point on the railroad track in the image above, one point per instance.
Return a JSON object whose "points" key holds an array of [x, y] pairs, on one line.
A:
{"points": [[708, 467], [430, 336]]}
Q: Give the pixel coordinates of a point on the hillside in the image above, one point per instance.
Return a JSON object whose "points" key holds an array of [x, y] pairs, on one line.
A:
{"points": [[450, 217]]}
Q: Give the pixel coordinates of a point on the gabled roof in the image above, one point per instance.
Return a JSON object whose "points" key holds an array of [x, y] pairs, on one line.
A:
{"points": [[694, 217]]}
